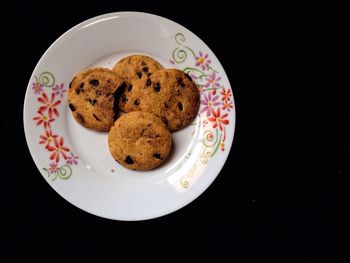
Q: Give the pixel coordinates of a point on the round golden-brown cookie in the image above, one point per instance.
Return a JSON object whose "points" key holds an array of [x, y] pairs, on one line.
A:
{"points": [[136, 70], [92, 98], [171, 95], [139, 141]]}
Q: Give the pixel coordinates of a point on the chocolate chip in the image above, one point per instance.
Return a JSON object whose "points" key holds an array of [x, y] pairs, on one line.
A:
{"points": [[94, 82], [117, 95], [139, 74], [156, 155], [70, 84], [80, 118], [124, 98], [164, 120], [128, 160], [181, 82], [156, 87], [80, 88], [129, 87], [188, 77], [98, 92], [96, 117], [122, 86], [179, 105], [143, 63], [148, 82], [92, 102], [145, 69], [178, 92], [166, 105], [137, 102], [149, 74], [119, 91], [71, 106]]}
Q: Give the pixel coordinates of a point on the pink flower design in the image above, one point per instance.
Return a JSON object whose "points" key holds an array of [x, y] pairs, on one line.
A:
{"points": [[37, 87], [57, 150], [47, 138], [218, 119], [53, 167], [43, 119], [49, 105], [227, 105], [212, 80], [72, 159], [59, 90], [202, 60], [226, 94], [205, 123], [209, 103]]}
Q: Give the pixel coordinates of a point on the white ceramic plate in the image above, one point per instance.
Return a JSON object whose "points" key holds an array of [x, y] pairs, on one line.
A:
{"points": [[76, 162]]}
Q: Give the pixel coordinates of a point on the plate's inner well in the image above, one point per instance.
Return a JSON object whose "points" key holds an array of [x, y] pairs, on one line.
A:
{"points": [[87, 141]]}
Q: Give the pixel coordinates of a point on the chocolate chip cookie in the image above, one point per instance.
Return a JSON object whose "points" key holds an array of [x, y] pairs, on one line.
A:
{"points": [[171, 95], [136, 70], [93, 96], [139, 141]]}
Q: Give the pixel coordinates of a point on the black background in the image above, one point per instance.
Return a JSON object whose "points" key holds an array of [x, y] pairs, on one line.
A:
{"points": [[282, 194]]}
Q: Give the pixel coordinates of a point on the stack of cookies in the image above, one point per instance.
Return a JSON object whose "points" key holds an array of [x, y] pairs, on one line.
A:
{"points": [[155, 101]]}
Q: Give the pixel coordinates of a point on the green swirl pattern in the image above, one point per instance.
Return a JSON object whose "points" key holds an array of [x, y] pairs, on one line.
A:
{"points": [[180, 53], [47, 79], [184, 183], [64, 172], [180, 38], [210, 138]]}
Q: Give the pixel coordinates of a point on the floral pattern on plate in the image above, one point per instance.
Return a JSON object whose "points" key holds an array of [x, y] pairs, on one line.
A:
{"points": [[49, 98], [216, 99]]}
